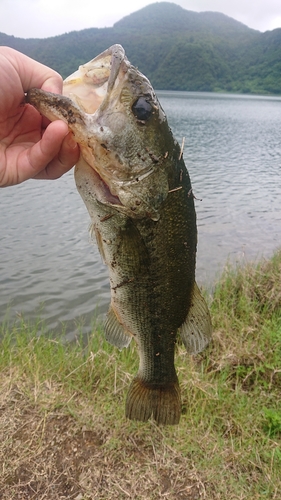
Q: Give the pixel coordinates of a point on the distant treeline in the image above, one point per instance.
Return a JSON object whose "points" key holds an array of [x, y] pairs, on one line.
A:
{"points": [[175, 48]]}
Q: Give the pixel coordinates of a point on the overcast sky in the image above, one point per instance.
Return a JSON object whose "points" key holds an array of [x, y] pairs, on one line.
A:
{"points": [[45, 18]]}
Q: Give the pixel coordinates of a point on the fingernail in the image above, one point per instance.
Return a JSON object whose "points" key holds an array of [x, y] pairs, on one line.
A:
{"points": [[71, 141]]}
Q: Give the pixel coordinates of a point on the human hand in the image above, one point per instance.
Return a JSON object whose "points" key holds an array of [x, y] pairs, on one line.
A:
{"points": [[30, 146]]}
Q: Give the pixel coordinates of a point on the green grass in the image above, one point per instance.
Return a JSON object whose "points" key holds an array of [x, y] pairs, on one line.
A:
{"points": [[63, 433]]}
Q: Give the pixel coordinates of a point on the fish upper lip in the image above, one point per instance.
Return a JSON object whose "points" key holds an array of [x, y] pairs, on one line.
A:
{"points": [[117, 57], [117, 54]]}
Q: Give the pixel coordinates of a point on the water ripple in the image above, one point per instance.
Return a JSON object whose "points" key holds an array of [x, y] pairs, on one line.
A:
{"points": [[48, 266]]}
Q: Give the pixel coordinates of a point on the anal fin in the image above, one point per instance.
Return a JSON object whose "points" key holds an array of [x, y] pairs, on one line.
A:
{"points": [[115, 333], [196, 331]]}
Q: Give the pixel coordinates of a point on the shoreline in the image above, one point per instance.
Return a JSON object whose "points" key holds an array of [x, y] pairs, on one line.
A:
{"points": [[63, 433]]}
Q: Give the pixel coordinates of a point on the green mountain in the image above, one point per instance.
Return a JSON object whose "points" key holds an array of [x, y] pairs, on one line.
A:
{"points": [[175, 48]]}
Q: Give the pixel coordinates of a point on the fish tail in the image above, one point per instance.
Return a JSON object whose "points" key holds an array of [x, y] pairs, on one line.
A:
{"points": [[163, 402]]}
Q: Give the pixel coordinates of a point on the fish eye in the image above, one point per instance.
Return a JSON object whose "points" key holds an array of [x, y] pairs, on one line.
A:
{"points": [[142, 109]]}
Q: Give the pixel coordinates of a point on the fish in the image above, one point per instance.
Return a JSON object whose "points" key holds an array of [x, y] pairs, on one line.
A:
{"points": [[133, 180]]}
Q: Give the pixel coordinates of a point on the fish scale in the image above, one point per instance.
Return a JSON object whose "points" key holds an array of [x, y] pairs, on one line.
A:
{"points": [[134, 183]]}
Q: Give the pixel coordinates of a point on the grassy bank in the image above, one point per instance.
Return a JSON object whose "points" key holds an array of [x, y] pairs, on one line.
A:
{"points": [[63, 434]]}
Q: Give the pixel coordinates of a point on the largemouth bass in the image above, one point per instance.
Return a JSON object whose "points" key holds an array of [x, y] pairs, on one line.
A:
{"points": [[133, 180]]}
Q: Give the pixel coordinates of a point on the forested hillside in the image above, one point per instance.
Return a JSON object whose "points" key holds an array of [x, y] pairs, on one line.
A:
{"points": [[175, 48]]}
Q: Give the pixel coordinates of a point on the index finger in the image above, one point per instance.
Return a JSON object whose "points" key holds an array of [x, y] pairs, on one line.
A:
{"points": [[33, 73]]}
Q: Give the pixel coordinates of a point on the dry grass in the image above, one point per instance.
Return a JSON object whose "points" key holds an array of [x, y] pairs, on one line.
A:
{"points": [[63, 434], [51, 452]]}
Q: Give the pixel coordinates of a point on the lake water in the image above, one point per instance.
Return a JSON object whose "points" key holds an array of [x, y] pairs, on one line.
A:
{"points": [[49, 268]]}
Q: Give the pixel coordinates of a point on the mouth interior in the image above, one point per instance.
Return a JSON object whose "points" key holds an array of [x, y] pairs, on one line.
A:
{"points": [[110, 198], [99, 187], [90, 87]]}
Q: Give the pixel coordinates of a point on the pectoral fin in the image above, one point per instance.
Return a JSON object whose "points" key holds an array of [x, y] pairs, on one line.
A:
{"points": [[115, 333], [196, 331], [94, 231]]}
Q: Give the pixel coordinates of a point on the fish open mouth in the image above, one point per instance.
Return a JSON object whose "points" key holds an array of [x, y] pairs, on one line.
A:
{"points": [[91, 85], [99, 106], [90, 89]]}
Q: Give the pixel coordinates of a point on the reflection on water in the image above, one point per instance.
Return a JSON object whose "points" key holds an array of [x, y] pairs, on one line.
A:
{"points": [[233, 154]]}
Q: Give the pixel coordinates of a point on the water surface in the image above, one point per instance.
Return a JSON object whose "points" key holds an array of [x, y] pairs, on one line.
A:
{"points": [[49, 268]]}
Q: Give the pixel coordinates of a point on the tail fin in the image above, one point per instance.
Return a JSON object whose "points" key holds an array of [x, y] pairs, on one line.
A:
{"points": [[163, 402]]}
